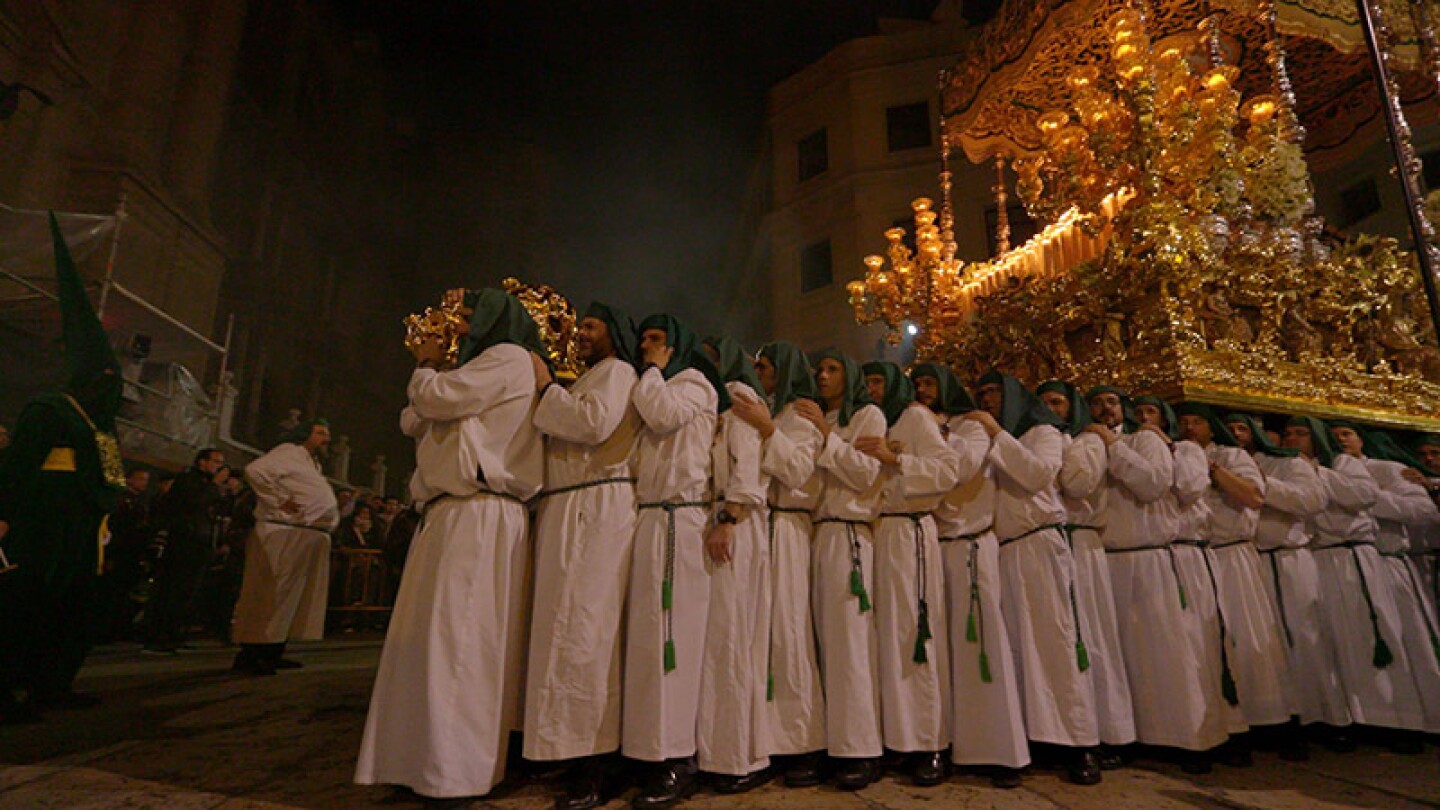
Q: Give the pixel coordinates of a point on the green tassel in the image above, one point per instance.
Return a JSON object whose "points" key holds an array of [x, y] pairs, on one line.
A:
{"points": [[864, 601], [667, 595], [1383, 656], [924, 626], [1082, 656], [984, 667], [857, 583], [1227, 686], [1184, 603], [970, 634], [769, 687], [669, 655], [921, 656]]}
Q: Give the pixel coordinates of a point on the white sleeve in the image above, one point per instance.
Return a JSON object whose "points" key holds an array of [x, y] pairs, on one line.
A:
{"points": [[495, 376], [668, 405], [856, 470], [1033, 464], [930, 467], [591, 416]]}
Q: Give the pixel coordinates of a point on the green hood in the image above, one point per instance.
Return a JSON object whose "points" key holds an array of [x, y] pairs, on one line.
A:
{"points": [[498, 317], [953, 398], [856, 397], [1257, 430], [899, 392], [1381, 445], [1020, 409], [622, 329], [1128, 422], [794, 379], [687, 353], [1319, 437], [734, 364], [1172, 425], [1079, 407], [94, 373], [1218, 432]]}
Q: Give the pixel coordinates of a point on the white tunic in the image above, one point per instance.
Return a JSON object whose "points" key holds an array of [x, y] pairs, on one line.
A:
{"points": [[1038, 573], [1293, 494], [914, 695], [844, 622], [672, 466], [582, 565], [733, 732], [796, 712], [1350, 568], [987, 718], [1170, 687], [448, 691], [1082, 479], [287, 556]]}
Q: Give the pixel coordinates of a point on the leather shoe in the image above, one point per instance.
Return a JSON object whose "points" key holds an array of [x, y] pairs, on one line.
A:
{"points": [[857, 774], [671, 783], [589, 786], [928, 769], [805, 770], [1084, 769], [253, 666], [726, 784], [1109, 758], [1005, 778]]}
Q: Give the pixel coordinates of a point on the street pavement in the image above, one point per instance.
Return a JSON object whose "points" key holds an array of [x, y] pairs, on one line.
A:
{"points": [[184, 733]]}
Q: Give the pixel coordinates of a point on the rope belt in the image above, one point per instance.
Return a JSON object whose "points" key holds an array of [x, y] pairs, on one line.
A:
{"points": [[857, 576], [1082, 655], [975, 622], [922, 607], [599, 482], [967, 538], [1174, 566], [1279, 594], [295, 525], [1227, 678], [1218, 546], [1382, 657], [667, 586], [770, 648], [445, 496]]}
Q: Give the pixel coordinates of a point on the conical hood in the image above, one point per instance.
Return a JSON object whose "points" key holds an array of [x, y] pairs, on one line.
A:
{"points": [[93, 371]]}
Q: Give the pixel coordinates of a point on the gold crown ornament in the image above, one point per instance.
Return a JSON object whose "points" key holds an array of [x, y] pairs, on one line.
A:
{"points": [[446, 323], [554, 318]]}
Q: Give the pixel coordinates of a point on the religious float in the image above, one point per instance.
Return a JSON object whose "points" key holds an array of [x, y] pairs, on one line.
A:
{"points": [[1159, 145]]}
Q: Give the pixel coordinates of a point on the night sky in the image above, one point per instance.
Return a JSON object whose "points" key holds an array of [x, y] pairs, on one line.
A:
{"points": [[650, 116]]}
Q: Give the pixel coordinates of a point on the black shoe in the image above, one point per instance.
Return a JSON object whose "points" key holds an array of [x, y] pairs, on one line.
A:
{"points": [[727, 785], [1406, 743], [1109, 758], [1236, 754], [1005, 778], [66, 700], [927, 769], [1195, 763], [590, 784], [287, 663], [1084, 769], [805, 770], [673, 782], [856, 774], [252, 665]]}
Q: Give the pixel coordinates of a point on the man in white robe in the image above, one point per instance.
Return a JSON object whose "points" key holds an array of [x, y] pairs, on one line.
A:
{"points": [[448, 691], [1038, 573], [733, 734], [287, 556], [1294, 493], [795, 701], [987, 720], [918, 469], [584, 526], [1425, 539], [843, 573], [678, 397]]}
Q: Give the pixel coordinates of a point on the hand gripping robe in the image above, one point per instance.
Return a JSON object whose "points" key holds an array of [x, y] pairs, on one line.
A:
{"points": [[1038, 572], [669, 582], [1357, 605], [1293, 494], [796, 706], [987, 722], [448, 691], [583, 530], [843, 574], [733, 731], [914, 654]]}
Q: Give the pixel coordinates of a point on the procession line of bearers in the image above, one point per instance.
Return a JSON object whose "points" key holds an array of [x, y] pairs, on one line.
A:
{"points": [[744, 569]]}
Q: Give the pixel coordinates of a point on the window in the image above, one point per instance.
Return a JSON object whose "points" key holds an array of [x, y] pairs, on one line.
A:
{"points": [[815, 266], [813, 154], [908, 126], [1358, 202]]}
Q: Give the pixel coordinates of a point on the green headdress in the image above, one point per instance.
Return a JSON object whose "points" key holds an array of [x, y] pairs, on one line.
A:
{"points": [[1381, 445], [498, 317], [1320, 440], [1257, 433], [622, 329], [734, 363], [899, 392], [794, 379], [94, 374], [1127, 407], [1172, 425], [855, 396], [1079, 407], [953, 399], [1020, 409], [1218, 432], [687, 353]]}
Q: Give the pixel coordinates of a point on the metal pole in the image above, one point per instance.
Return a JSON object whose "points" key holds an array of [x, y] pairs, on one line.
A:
{"points": [[1406, 164], [110, 261]]}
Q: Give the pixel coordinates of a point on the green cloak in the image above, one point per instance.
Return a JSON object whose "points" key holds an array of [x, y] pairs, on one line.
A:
{"points": [[1381, 445], [899, 392], [953, 399], [1257, 430], [794, 379], [855, 394], [499, 317], [621, 328], [1320, 440], [687, 353], [1172, 425], [734, 364], [1219, 433], [1020, 409], [1079, 406]]}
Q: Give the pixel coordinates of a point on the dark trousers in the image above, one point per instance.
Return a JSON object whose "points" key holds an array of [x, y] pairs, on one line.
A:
{"points": [[177, 581], [45, 631]]}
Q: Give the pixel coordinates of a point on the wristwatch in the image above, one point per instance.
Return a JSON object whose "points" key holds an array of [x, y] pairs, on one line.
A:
{"points": [[724, 516]]}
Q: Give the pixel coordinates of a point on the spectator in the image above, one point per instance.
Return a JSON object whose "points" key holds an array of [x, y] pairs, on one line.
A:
{"points": [[359, 530], [129, 534], [186, 514], [345, 497]]}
